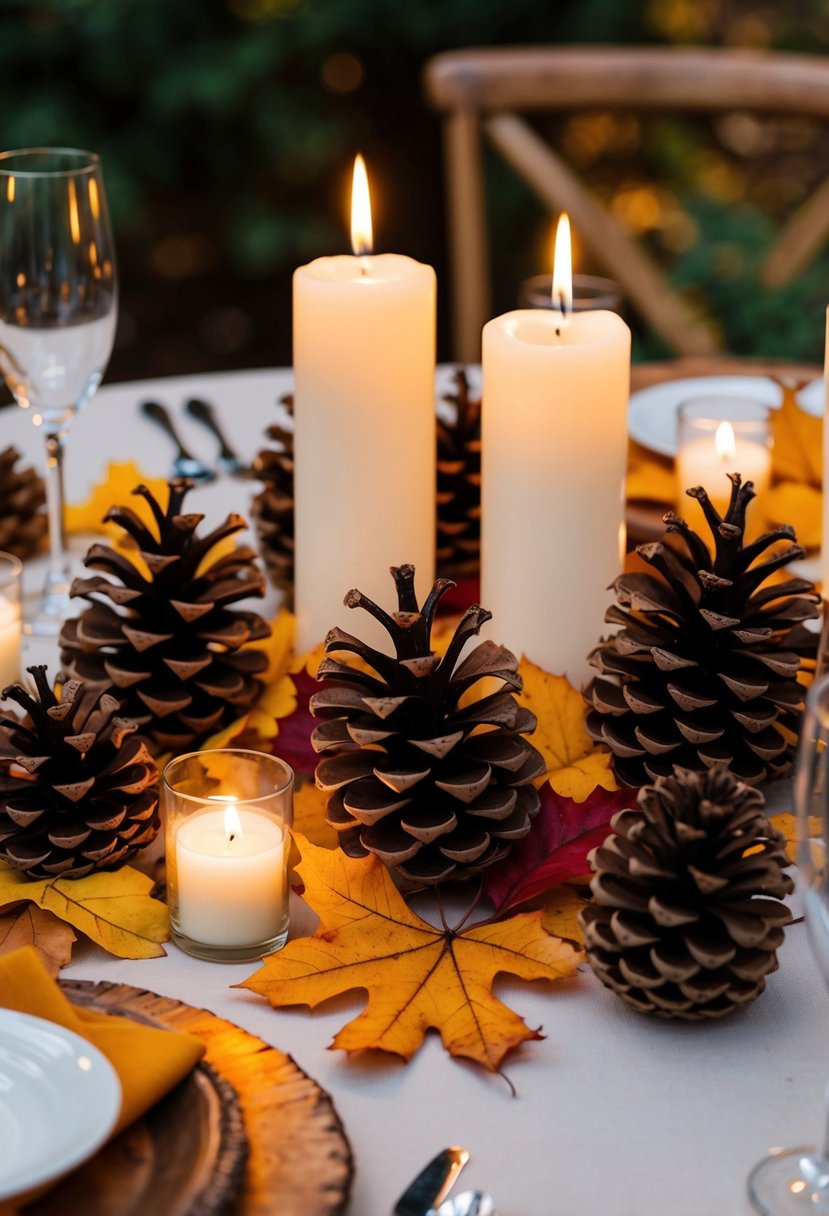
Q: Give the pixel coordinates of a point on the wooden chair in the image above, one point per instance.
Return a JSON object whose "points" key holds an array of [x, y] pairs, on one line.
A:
{"points": [[484, 90]]}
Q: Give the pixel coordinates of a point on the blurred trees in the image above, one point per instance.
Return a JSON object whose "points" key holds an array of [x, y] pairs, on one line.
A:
{"points": [[227, 129]]}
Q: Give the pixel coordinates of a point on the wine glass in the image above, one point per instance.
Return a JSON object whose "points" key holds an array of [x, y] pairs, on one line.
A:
{"points": [[792, 1182], [58, 309]]}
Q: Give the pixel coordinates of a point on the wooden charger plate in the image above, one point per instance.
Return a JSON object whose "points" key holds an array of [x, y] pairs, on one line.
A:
{"points": [[247, 1133]]}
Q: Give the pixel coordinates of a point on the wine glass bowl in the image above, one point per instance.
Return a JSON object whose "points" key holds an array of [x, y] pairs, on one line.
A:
{"points": [[792, 1182], [58, 311]]}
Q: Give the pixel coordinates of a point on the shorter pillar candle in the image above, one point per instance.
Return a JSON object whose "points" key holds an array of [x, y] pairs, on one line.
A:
{"points": [[824, 547], [10, 619]]}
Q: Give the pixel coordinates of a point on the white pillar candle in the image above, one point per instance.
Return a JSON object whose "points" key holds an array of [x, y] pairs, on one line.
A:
{"points": [[10, 630], [824, 541], [364, 409], [230, 877], [554, 440]]}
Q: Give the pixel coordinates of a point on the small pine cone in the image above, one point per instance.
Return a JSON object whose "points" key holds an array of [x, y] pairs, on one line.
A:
{"points": [[168, 643], [23, 520], [703, 669], [686, 917], [272, 510], [78, 787], [412, 776], [459, 484]]}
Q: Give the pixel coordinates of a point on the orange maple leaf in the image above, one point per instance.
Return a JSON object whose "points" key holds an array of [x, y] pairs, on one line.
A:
{"points": [[575, 765], [797, 454], [416, 976]]}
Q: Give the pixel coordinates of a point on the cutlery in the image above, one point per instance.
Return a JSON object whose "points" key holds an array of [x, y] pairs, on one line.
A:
{"points": [[229, 460], [468, 1203], [432, 1184], [185, 463]]}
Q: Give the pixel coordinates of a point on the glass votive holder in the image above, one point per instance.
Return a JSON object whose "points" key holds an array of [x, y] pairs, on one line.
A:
{"points": [[228, 815], [11, 626], [590, 291], [718, 435]]}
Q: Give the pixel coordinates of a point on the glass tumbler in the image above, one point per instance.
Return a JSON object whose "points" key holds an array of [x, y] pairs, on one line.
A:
{"points": [[228, 815]]}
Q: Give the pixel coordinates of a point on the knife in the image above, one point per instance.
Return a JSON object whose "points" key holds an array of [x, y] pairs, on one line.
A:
{"points": [[432, 1184]]}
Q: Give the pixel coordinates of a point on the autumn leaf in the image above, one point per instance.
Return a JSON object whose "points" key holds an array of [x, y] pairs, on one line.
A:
{"points": [[797, 452], [117, 486], [560, 910], [556, 848], [114, 909], [575, 766], [309, 816], [786, 824], [416, 976], [31, 926], [797, 504], [649, 478]]}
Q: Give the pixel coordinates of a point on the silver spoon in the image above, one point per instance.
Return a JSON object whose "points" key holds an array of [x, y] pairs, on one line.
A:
{"points": [[467, 1203], [185, 463], [229, 460]]}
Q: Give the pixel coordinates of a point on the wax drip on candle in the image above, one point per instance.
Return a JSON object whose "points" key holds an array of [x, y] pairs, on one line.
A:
{"points": [[362, 237], [563, 272]]}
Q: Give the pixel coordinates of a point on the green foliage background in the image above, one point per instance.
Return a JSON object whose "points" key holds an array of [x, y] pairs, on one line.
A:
{"points": [[227, 129]]}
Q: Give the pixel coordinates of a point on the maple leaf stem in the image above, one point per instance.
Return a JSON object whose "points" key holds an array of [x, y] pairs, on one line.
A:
{"points": [[469, 911]]}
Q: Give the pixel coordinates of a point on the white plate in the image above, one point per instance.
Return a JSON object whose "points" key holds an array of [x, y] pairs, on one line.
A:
{"points": [[59, 1100], [652, 411]]}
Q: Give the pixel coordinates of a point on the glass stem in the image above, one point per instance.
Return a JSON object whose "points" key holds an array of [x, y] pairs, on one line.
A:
{"points": [[57, 578]]}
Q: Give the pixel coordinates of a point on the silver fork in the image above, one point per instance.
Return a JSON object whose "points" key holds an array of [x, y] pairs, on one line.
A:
{"points": [[185, 463]]}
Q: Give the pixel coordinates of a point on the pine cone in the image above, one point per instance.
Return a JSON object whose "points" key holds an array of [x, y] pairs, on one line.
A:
{"points": [[78, 787], [459, 484], [171, 646], [23, 520], [410, 780], [272, 510], [685, 919], [703, 670]]}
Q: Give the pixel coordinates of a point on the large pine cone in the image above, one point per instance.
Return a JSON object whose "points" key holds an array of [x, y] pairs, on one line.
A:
{"points": [[686, 916], [78, 787], [410, 780], [169, 645], [272, 510], [458, 551], [703, 670], [23, 520]]}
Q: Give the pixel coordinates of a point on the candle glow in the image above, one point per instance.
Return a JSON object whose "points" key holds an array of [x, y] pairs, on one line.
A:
{"points": [[724, 441], [362, 237], [563, 269]]}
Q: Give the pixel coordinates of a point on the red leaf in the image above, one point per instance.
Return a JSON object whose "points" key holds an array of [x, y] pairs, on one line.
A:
{"points": [[556, 849], [293, 743]]}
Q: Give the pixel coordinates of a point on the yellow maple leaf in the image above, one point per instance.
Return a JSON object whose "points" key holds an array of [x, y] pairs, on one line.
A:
{"points": [[416, 976], [797, 504], [649, 478], [786, 824], [575, 766], [31, 926], [797, 454], [278, 646], [117, 486], [114, 909], [309, 816], [560, 912]]}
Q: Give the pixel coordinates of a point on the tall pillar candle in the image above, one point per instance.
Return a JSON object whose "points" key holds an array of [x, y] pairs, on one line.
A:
{"points": [[364, 409], [554, 453]]}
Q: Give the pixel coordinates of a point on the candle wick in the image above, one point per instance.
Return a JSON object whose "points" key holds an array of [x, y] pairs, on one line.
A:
{"points": [[231, 838], [365, 266]]}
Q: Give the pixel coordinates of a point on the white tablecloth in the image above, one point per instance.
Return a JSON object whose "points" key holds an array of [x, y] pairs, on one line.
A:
{"points": [[615, 1114]]}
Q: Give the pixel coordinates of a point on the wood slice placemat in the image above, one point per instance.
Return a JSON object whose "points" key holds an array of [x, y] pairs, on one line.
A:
{"points": [[299, 1161]]}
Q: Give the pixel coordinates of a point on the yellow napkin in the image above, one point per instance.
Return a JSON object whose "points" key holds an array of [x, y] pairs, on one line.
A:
{"points": [[149, 1062]]}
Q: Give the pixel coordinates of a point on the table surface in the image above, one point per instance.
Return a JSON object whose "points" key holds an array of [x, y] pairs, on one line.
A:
{"points": [[615, 1114]]}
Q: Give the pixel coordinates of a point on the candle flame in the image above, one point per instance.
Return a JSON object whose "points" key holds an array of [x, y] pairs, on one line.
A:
{"points": [[724, 443], [563, 268], [362, 241], [233, 824]]}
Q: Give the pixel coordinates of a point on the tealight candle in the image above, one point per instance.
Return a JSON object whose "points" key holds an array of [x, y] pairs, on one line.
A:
{"points": [[10, 619], [364, 426], [717, 436], [554, 440], [227, 819]]}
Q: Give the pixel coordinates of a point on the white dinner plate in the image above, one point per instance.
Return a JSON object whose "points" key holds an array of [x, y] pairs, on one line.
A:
{"points": [[59, 1100], [652, 411]]}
